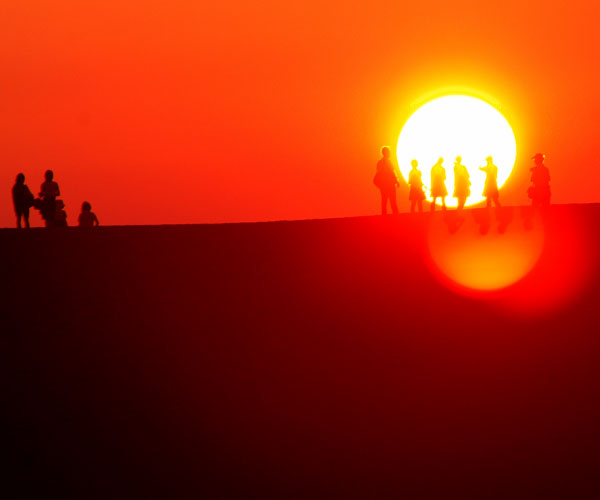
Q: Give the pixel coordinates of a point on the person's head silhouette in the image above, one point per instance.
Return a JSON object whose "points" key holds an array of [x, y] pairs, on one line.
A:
{"points": [[86, 206], [414, 163], [489, 160], [49, 175], [458, 160], [385, 151], [20, 179], [538, 158], [440, 161]]}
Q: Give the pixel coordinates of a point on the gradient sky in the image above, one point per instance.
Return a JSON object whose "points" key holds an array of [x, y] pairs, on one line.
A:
{"points": [[180, 112]]}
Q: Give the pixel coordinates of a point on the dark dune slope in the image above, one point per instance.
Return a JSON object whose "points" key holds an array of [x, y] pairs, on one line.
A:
{"points": [[295, 359]]}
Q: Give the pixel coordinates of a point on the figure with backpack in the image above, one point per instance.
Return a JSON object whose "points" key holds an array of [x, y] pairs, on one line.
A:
{"points": [[385, 179], [539, 191]]}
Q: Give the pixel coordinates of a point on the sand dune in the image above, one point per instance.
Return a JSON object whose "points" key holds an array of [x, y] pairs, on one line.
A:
{"points": [[299, 359]]}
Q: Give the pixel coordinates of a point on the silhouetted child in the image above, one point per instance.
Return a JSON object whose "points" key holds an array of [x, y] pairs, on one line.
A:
{"points": [[539, 192], [60, 215], [490, 188], [385, 179], [462, 183], [87, 218], [49, 192], [22, 200], [415, 182], [438, 184]]}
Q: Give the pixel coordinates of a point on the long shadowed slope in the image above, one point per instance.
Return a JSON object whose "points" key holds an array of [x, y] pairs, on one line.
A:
{"points": [[298, 359]]}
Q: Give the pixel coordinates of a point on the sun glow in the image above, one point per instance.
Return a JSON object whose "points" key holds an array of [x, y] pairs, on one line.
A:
{"points": [[457, 125]]}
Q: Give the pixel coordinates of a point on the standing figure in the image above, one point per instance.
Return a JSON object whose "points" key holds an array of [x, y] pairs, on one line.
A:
{"points": [[490, 188], [438, 184], [49, 192], [22, 200], [385, 179], [462, 183], [539, 192], [87, 218], [415, 182]]}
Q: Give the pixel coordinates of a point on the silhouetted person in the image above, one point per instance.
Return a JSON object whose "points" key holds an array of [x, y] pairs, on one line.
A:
{"points": [[60, 215], [385, 179], [48, 193], [438, 184], [462, 183], [490, 188], [87, 218], [415, 182], [22, 200], [539, 192]]}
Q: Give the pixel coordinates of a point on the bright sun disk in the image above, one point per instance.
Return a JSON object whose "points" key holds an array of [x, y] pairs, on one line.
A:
{"points": [[457, 125]]}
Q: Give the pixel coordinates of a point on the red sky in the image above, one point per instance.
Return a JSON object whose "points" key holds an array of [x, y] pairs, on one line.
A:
{"points": [[180, 112]]}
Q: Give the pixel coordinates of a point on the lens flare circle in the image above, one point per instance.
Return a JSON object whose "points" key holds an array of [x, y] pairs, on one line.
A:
{"points": [[486, 261], [457, 125]]}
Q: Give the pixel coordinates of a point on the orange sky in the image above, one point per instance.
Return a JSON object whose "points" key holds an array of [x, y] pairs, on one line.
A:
{"points": [[177, 112]]}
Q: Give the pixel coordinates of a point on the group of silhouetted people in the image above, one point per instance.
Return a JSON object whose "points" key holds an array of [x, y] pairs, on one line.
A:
{"points": [[51, 208], [387, 181]]}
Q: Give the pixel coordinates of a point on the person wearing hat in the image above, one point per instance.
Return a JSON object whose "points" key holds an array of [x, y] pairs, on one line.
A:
{"points": [[539, 191], [462, 183], [385, 179], [490, 188], [438, 184]]}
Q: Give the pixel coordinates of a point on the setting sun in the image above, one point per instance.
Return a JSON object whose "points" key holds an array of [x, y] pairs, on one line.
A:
{"points": [[457, 125]]}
